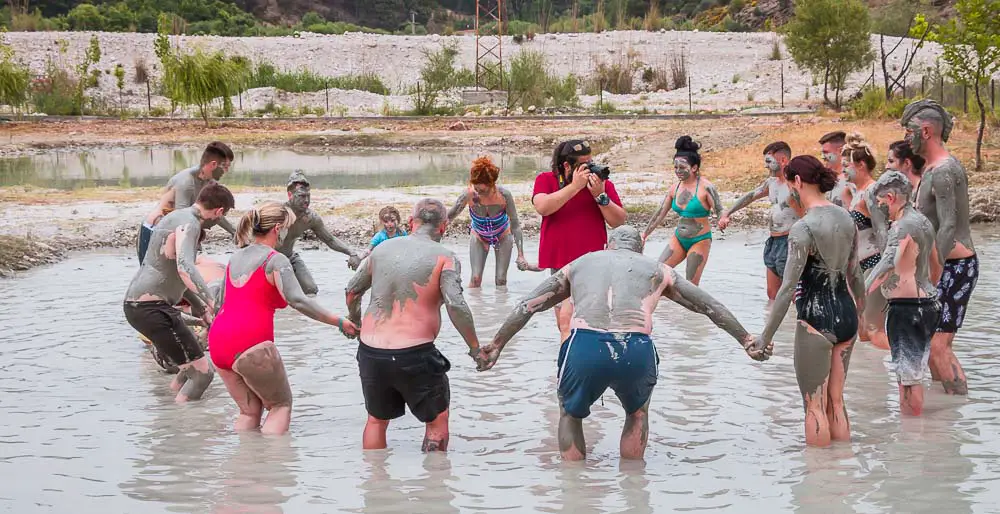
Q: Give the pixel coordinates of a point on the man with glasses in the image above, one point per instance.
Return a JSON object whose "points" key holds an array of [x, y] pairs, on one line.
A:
{"points": [[183, 189], [307, 219], [576, 206]]}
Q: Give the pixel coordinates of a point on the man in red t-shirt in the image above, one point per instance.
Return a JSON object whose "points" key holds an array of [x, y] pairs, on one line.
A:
{"points": [[575, 205]]}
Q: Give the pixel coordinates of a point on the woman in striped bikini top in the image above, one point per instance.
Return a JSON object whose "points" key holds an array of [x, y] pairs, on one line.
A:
{"points": [[493, 220]]}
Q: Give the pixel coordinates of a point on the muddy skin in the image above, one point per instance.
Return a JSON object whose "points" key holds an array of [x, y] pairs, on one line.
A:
{"points": [[409, 274], [632, 444], [195, 382], [812, 359], [616, 290], [263, 371], [305, 220], [571, 441], [783, 216], [182, 192], [172, 251], [695, 261], [689, 182], [943, 197], [479, 249]]}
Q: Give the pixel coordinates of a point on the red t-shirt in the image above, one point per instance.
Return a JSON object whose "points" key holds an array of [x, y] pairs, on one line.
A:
{"points": [[577, 228]]}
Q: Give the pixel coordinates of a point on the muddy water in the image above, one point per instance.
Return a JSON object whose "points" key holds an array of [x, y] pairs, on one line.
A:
{"points": [[259, 167], [88, 424]]}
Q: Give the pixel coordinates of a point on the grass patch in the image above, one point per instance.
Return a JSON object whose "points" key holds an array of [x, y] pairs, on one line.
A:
{"points": [[306, 81]]}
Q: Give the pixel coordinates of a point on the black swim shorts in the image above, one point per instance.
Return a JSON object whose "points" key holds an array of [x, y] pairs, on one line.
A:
{"points": [[415, 377], [776, 254], [161, 323], [958, 280], [909, 325]]}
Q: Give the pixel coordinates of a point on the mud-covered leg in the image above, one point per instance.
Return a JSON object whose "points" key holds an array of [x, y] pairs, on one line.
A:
{"points": [[673, 254], [197, 376], [303, 275], [874, 318], [697, 258], [264, 373], [503, 252], [836, 411], [436, 434], [251, 408], [635, 435], [478, 250], [946, 365], [812, 370], [571, 443]]}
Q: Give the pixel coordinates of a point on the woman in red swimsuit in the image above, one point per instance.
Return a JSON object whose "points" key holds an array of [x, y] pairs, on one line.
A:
{"points": [[260, 280]]}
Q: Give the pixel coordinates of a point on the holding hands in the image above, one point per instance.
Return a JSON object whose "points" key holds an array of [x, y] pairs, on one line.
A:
{"points": [[757, 348]]}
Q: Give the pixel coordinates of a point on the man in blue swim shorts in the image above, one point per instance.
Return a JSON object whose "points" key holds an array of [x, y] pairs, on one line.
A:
{"points": [[614, 292]]}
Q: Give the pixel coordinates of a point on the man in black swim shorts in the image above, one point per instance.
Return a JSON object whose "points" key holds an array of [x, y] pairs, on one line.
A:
{"points": [[410, 278], [904, 277], [943, 197]]}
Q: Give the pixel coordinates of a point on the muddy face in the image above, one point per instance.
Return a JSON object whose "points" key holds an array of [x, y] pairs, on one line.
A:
{"points": [[390, 224], [851, 171], [772, 164], [914, 136], [892, 163], [682, 169], [482, 190], [219, 170], [299, 198]]}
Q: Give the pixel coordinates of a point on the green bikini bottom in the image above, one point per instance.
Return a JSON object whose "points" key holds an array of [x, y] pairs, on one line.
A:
{"points": [[688, 242]]}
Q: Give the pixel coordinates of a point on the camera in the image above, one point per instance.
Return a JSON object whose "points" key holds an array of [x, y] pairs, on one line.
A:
{"points": [[601, 170]]}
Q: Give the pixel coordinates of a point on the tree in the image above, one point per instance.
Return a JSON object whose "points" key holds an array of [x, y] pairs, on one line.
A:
{"points": [[831, 38], [120, 82], [971, 49], [893, 82], [14, 77]]}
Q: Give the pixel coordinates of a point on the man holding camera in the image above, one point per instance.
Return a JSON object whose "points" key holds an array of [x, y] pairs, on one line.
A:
{"points": [[577, 203]]}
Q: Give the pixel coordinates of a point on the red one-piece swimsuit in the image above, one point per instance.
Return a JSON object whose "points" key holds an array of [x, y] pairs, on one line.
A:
{"points": [[246, 318]]}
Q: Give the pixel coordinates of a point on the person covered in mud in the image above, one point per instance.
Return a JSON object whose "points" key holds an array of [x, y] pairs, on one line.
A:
{"points": [[693, 198], [576, 207], [183, 188], [410, 278], [831, 148], [823, 274], [306, 219], [258, 281], [872, 223], [943, 197], [161, 282], [615, 292], [390, 218], [903, 275], [493, 221], [902, 159], [783, 212]]}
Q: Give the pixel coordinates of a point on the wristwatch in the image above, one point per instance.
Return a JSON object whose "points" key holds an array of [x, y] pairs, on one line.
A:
{"points": [[603, 199]]}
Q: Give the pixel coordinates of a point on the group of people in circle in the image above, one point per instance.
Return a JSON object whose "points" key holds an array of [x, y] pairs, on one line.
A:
{"points": [[887, 257]]}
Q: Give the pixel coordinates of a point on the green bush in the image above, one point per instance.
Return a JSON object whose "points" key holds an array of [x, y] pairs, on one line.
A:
{"points": [[873, 105], [54, 93], [303, 80]]}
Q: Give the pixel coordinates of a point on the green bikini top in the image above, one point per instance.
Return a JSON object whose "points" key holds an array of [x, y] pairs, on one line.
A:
{"points": [[694, 208]]}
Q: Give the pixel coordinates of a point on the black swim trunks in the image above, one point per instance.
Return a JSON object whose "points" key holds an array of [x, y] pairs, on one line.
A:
{"points": [[958, 280], [776, 254], [823, 300], [910, 324], [161, 323], [415, 377]]}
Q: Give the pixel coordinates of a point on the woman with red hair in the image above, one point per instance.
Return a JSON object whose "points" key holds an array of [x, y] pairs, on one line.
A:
{"points": [[494, 222]]}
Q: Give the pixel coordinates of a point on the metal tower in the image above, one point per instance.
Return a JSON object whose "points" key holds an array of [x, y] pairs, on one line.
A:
{"points": [[489, 44]]}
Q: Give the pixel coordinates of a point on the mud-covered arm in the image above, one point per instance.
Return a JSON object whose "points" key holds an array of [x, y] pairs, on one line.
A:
{"points": [[799, 242], [454, 302], [547, 295], [713, 193], [460, 204], [747, 199], [166, 202], [515, 222], [186, 246], [856, 277], [280, 269], [661, 214], [226, 225], [360, 283], [943, 189], [880, 221], [695, 299], [319, 228], [888, 261]]}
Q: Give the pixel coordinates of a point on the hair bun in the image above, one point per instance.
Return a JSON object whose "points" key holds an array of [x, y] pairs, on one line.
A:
{"points": [[855, 139], [686, 144]]}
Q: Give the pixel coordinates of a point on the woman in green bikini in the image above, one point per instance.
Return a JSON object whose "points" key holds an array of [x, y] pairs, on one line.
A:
{"points": [[693, 199]]}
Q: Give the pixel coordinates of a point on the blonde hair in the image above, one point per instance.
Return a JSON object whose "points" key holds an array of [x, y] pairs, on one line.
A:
{"points": [[262, 219], [858, 150]]}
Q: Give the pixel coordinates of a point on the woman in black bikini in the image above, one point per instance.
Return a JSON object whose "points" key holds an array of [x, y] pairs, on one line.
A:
{"points": [[822, 260]]}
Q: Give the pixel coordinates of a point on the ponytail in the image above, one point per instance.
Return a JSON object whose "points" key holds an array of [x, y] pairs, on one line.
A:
{"points": [[260, 220]]}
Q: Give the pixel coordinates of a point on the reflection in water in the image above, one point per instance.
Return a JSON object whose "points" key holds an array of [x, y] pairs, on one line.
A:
{"points": [[342, 170], [89, 425]]}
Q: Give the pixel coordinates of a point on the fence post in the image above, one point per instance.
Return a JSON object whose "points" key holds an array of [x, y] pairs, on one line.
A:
{"points": [[941, 90], [782, 84], [993, 94], [326, 89], [690, 102], [923, 85], [965, 98], [904, 86]]}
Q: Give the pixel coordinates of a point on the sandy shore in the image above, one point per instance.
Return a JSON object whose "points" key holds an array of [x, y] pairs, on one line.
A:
{"points": [[38, 226], [729, 71]]}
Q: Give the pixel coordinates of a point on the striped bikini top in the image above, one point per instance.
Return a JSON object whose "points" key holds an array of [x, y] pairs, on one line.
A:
{"points": [[488, 228]]}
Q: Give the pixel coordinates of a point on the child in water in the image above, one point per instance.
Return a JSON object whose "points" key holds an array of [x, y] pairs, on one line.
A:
{"points": [[391, 228]]}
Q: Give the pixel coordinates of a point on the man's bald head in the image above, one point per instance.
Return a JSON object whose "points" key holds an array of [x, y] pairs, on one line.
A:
{"points": [[625, 237]]}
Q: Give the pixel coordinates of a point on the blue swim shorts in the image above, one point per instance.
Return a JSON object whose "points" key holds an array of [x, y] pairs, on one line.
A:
{"points": [[591, 361]]}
